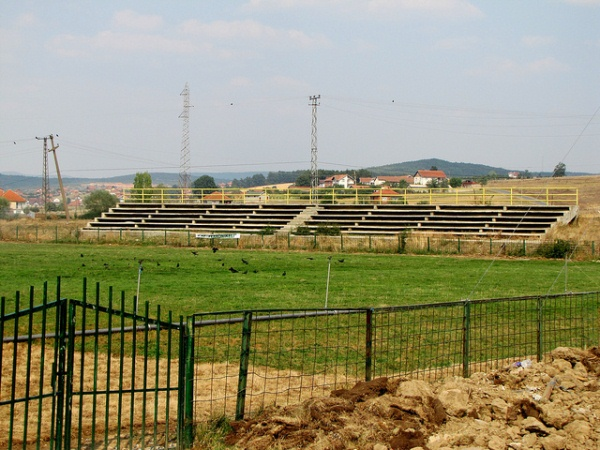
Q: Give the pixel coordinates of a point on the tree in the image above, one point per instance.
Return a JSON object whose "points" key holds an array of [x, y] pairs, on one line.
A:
{"points": [[303, 179], [98, 202], [455, 182], [205, 182], [525, 174], [4, 207], [142, 180], [433, 168], [560, 170]]}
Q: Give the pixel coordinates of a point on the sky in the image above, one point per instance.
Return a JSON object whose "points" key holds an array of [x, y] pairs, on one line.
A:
{"points": [[512, 84]]}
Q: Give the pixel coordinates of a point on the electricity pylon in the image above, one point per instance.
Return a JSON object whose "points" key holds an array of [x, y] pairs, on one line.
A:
{"points": [[314, 171]]}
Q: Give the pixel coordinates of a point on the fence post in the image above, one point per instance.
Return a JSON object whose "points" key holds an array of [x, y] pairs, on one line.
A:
{"points": [[244, 362], [369, 345], [458, 245], [59, 390], [17, 233], [540, 304], [186, 382], [466, 336]]}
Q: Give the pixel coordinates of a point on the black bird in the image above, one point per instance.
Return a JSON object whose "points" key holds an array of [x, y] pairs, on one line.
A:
{"points": [[194, 253], [215, 249], [283, 274], [255, 271], [222, 264], [340, 260], [81, 254], [245, 272], [232, 270], [310, 258], [244, 261], [83, 265], [105, 265], [178, 265], [157, 264]]}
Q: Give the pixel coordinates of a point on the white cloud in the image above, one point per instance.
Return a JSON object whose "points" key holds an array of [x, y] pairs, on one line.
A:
{"points": [[27, 20], [135, 21], [512, 67], [243, 30], [458, 43], [584, 2], [537, 41], [77, 46], [446, 8], [443, 8]]}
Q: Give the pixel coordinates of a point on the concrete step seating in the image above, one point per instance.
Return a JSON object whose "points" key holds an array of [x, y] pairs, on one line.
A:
{"points": [[456, 220], [244, 218], [365, 219]]}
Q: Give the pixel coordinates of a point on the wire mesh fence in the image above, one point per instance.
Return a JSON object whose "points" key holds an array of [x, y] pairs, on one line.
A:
{"points": [[77, 374], [245, 361], [416, 243]]}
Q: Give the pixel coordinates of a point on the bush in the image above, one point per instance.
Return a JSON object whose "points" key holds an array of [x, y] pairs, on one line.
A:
{"points": [[558, 249], [328, 230], [302, 231]]}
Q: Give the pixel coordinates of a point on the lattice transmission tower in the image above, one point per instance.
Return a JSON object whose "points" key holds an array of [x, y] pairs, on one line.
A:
{"points": [[314, 170], [184, 166]]}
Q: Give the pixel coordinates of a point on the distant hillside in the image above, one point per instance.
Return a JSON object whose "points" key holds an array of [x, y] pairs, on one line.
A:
{"points": [[452, 169]]}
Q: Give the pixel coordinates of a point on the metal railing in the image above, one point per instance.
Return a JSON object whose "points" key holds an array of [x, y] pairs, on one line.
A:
{"points": [[360, 195], [77, 374]]}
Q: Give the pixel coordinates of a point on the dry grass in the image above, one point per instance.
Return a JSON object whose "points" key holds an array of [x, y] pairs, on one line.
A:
{"points": [[587, 226]]}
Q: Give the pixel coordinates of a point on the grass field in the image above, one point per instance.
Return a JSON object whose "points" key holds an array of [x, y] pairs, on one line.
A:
{"points": [[187, 281]]}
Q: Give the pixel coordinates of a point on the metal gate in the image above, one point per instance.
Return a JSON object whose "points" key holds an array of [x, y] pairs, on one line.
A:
{"points": [[75, 374]]}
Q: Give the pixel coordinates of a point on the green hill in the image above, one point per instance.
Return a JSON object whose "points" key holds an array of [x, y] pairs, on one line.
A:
{"points": [[452, 169]]}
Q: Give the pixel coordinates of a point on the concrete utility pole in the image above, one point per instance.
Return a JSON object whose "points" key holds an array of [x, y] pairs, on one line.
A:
{"points": [[184, 169], [46, 177], [314, 171]]}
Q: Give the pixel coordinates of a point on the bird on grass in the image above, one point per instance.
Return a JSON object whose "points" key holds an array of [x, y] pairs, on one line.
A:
{"points": [[178, 265], [232, 270], [194, 253], [215, 249], [81, 254], [283, 274], [244, 261], [340, 260]]}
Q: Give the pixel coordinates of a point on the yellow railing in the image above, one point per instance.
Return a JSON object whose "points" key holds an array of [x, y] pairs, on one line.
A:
{"points": [[410, 196]]}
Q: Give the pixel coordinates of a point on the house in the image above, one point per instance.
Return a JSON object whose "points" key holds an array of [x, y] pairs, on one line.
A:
{"points": [[386, 195], [391, 180], [340, 180], [424, 177], [255, 196], [16, 202], [216, 197], [514, 175]]}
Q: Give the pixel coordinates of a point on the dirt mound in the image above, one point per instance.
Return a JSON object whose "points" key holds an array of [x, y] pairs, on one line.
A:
{"points": [[552, 405]]}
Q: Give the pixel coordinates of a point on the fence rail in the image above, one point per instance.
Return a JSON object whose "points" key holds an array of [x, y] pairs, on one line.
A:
{"points": [[402, 243], [360, 195], [79, 374]]}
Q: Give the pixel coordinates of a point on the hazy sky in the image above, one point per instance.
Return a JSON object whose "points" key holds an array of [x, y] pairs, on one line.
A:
{"points": [[508, 83]]}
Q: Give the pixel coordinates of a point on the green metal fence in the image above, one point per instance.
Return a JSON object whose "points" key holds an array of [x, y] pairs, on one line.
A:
{"points": [[88, 374], [246, 361], [75, 374]]}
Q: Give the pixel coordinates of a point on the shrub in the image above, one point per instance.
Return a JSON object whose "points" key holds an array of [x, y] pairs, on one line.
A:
{"points": [[328, 230], [558, 249]]}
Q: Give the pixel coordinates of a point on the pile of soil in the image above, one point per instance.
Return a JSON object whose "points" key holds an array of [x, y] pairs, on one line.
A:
{"points": [[551, 405]]}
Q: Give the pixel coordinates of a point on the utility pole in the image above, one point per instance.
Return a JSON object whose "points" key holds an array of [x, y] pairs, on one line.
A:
{"points": [[45, 177], [184, 169], [60, 182], [314, 171]]}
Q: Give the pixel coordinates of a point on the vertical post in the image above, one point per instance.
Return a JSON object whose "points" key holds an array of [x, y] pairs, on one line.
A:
{"points": [[466, 336], [524, 247], [17, 233], [244, 363], [369, 346], [458, 245], [59, 392], [428, 245], [540, 305]]}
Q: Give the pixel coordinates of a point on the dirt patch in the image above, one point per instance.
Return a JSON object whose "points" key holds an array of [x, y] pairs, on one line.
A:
{"points": [[549, 405]]}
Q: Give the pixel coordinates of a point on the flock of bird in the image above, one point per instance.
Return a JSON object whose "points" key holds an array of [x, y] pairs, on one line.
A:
{"points": [[231, 268]]}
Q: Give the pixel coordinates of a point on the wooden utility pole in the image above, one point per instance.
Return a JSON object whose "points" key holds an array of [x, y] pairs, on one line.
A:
{"points": [[60, 183]]}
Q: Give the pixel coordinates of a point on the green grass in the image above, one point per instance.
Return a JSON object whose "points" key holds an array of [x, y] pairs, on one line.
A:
{"points": [[203, 283]]}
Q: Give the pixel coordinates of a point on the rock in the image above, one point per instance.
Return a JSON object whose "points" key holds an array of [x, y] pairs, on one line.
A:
{"points": [[561, 364], [380, 447], [555, 416], [454, 401], [579, 430], [553, 442], [496, 443], [533, 425], [499, 409]]}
